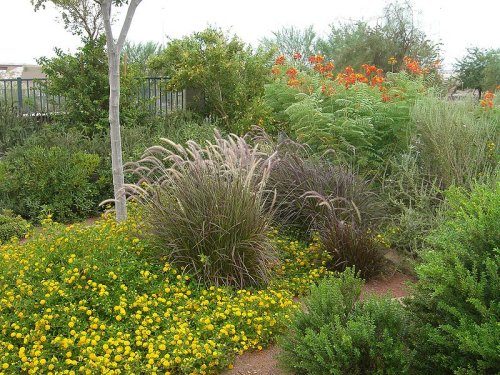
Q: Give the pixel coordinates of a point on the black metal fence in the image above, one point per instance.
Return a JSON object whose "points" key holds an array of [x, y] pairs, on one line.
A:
{"points": [[29, 97]]}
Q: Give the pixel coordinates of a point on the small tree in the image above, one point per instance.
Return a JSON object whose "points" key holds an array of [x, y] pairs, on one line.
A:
{"points": [[479, 69], [80, 17], [71, 13]]}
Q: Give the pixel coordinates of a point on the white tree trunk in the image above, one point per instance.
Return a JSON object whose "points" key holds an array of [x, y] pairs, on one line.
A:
{"points": [[114, 51], [116, 141]]}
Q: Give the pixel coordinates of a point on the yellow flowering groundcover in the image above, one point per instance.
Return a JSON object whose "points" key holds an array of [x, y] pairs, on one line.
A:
{"points": [[83, 299]]}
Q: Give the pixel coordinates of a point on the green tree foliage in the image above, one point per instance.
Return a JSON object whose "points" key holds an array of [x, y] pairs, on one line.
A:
{"points": [[138, 54], [230, 77], [80, 17], [290, 40], [479, 69], [396, 34], [82, 80], [456, 301]]}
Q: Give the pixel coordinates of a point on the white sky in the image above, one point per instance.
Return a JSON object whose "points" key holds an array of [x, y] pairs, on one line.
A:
{"points": [[26, 35]]}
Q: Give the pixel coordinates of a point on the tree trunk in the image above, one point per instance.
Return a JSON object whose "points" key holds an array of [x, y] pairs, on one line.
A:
{"points": [[114, 50], [116, 143]]}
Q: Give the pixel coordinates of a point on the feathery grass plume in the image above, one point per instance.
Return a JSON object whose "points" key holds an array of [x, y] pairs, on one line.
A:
{"points": [[206, 208], [295, 174]]}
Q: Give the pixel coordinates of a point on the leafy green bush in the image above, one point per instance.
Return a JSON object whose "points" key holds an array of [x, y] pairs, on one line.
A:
{"points": [[37, 180], [11, 226], [337, 334], [13, 129], [205, 209], [358, 118], [456, 304], [228, 75], [82, 80]]}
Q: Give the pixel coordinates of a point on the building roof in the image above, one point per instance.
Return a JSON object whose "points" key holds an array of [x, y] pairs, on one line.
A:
{"points": [[10, 71]]}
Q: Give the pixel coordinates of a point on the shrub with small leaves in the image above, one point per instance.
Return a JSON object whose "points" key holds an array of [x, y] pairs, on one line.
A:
{"points": [[37, 180], [338, 334], [11, 226], [456, 304]]}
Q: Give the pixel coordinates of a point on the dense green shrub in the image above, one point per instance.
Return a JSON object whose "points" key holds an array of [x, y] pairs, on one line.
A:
{"points": [[82, 80], [337, 334], [357, 118], [456, 304], [205, 209], [36, 181], [11, 226], [228, 75], [13, 128]]}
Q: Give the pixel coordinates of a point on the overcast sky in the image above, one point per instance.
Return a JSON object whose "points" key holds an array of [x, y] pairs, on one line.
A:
{"points": [[26, 35]]}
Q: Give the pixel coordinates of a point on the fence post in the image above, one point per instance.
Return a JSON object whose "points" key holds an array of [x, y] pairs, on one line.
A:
{"points": [[20, 95]]}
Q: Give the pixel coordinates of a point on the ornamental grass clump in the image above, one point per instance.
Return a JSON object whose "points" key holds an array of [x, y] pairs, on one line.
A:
{"points": [[206, 211], [348, 238]]}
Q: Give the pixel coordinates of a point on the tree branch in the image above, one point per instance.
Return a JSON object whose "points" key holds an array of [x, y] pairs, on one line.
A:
{"points": [[126, 24]]}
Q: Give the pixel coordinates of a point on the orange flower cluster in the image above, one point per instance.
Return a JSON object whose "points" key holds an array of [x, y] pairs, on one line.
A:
{"points": [[316, 59], [280, 60], [349, 77], [291, 72], [412, 65], [297, 56], [487, 101]]}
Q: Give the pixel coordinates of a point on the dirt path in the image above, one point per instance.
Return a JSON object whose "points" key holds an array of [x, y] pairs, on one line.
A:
{"points": [[264, 362]]}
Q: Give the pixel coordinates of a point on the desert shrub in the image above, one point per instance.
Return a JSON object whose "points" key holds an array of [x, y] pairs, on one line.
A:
{"points": [[456, 304], [338, 334], [457, 142], [413, 199], [205, 209], [361, 117], [11, 226], [37, 180]]}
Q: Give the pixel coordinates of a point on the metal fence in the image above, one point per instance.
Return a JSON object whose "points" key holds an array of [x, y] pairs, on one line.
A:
{"points": [[29, 97]]}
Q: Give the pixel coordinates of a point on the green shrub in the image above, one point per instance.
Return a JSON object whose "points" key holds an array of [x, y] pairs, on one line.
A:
{"points": [[335, 333], [205, 209], [13, 129], [456, 304], [11, 226], [37, 181], [227, 74], [457, 143]]}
